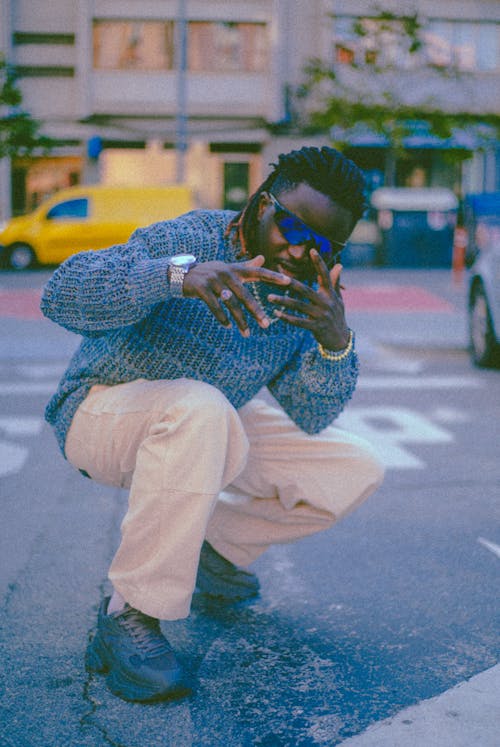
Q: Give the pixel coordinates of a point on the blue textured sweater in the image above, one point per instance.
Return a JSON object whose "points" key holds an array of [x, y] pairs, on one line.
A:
{"points": [[118, 300]]}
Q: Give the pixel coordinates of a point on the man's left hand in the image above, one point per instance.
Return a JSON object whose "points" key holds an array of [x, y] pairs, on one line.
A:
{"points": [[322, 310]]}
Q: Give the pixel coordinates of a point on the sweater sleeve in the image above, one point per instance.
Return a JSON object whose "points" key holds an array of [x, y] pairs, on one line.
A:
{"points": [[96, 291], [312, 390]]}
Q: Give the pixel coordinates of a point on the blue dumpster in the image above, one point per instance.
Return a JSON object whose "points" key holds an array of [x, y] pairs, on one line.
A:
{"points": [[480, 210], [416, 226]]}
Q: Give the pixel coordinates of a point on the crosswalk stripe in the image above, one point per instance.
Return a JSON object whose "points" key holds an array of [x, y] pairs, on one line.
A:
{"points": [[419, 382], [365, 382], [29, 387]]}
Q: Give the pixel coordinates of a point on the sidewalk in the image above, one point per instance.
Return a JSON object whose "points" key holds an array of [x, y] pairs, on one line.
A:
{"points": [[468, 715]]}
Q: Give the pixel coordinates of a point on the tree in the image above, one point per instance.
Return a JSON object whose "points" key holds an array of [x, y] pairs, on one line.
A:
{"points": [[19, 131], [367, 90]]}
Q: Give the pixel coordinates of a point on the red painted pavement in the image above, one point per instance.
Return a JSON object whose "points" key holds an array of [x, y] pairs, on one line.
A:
{"points": [[394, 298], [21, 304], [25, 304]]}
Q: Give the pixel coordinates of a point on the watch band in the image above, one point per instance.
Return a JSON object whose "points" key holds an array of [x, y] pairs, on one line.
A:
{"points": [[176, 276]]}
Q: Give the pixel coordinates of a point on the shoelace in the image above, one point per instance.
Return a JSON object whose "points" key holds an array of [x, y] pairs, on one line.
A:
{"points": [[145, 632]]}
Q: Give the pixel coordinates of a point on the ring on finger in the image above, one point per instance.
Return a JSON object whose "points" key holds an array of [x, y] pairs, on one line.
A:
{"points": [[226, 294]]}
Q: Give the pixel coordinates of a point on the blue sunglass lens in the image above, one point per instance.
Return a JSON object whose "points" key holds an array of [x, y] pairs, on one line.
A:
{"points": [[323, 245], [297, 232], [293, 230]]}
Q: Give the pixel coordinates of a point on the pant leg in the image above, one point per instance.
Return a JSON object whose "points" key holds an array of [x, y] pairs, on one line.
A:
{"points": [[293, 484], [176, 444]]}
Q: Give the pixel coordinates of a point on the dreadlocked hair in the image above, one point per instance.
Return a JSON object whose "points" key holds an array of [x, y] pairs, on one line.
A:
{"points": [[324, 169]]}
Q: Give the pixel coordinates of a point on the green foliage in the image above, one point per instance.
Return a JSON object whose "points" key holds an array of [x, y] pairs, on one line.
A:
{"points": [[367, 96], [19, 132]]}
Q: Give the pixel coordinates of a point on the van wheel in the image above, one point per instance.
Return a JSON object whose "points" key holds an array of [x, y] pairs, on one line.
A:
{"points": [[484, 349], [20, 257]]}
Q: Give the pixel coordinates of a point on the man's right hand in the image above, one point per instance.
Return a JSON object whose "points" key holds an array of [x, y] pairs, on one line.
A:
{"points": [[222, 287]]}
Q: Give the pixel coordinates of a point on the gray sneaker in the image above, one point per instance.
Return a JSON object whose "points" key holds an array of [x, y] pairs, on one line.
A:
{"points": [[131, 650], [220, 578]]}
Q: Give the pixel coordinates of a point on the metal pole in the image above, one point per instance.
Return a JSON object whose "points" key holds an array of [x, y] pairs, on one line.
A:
{"points": [[6, 29], [181, 117]]}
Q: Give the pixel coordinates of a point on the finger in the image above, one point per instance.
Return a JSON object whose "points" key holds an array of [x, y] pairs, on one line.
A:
{"points": [[257, 261], [321, 269], [296, 321], [335, 277], [234, 308], [253, 270], [303, 290], [215, 307], [246, 299], [313, 311]]}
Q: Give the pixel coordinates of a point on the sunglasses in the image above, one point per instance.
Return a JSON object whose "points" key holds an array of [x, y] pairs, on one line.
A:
{"points": [[296, 232]]}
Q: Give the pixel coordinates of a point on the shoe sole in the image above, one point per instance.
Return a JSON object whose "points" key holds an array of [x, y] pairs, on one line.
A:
{"points": [[125, 687]]}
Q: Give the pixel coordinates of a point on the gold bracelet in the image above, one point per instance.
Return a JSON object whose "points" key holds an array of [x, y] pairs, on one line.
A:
{"points": [[331, 356]]}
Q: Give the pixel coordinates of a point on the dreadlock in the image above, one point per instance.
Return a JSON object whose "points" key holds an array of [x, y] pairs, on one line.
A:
{"points": [[324, 169]]}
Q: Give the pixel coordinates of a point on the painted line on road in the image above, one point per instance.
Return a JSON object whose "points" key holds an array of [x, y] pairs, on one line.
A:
{"points": [[32, 387], [495, 549], [419, 382], [365, 382], [13, 456], [391, 429]]}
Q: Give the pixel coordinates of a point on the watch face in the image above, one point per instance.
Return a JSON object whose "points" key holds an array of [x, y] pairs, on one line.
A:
{"points": [[182, 260]]}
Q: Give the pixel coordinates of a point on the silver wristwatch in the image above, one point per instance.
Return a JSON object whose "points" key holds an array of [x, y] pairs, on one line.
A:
{"points": [[178, 266]]}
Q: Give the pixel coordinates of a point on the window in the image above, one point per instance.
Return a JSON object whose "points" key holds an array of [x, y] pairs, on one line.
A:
{"points": [[466, 45], [371, 41], [227, 47], [133, 45], [69, 209]]}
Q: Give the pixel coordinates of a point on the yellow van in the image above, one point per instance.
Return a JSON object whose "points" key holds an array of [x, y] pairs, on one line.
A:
{"points": [[86, 217]]}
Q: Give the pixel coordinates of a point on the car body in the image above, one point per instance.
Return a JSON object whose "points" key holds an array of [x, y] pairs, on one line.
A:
{"points": [[484, 294], [86, 217]]}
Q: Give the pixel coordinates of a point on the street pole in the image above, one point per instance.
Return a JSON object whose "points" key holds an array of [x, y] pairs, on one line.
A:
{"points": [[6, 28], [181, 117]]}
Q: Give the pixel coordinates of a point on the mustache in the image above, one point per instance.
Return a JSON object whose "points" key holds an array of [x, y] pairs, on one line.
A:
{"points": [[302, 270]]}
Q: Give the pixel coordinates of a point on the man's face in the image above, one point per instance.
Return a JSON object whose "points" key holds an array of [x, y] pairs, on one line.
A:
{"points": [[318, 212]]}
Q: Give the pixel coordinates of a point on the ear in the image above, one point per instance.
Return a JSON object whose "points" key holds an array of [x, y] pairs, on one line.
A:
{"points": [[263, 204]]}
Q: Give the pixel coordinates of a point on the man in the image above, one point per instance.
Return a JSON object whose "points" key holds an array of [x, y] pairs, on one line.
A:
{"points": [[182, 327]]}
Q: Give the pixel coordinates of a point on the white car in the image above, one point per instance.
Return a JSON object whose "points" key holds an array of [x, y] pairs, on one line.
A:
{"points": [[484, 295]]}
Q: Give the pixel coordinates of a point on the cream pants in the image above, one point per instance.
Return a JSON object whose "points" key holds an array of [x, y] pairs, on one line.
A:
{"points": [[176, 445]]}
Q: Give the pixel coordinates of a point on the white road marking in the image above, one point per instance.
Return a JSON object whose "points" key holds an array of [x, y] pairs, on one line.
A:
{"points": [[365, 382], [13, 455], [449, 415], [397, 363], [8, 388], [12, 458], [387, 428], [42, 370], [420, 382], [495, 549]]}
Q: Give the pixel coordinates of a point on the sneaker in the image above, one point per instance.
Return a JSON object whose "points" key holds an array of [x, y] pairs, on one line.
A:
{"points": [[220, 578], [131, 650]]}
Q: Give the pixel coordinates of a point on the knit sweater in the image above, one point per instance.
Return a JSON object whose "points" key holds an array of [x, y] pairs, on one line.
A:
{"points": [[118, 299]]}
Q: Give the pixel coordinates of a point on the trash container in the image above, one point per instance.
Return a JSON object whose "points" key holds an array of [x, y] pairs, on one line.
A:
{"points": [[480, 212], [361, 247], [416, 226]]}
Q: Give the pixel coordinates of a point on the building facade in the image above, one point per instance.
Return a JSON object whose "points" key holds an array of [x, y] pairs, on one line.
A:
{"points": [[154, 91]]}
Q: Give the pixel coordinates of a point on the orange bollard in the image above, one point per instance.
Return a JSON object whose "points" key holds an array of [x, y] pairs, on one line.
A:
{"points": [[458, 258]]}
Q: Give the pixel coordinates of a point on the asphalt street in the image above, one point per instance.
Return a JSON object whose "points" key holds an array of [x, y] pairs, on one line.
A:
{"points": [[367, 634]]}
